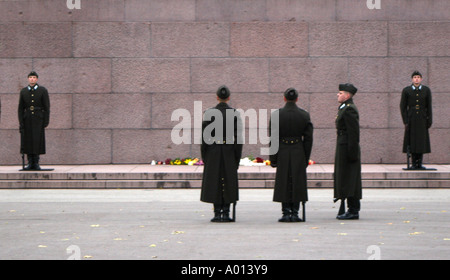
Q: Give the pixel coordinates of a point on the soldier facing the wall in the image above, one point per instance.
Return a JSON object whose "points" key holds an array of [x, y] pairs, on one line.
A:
{"points": [[295, 132], [34, 116], [417, 115], [221, 151]]}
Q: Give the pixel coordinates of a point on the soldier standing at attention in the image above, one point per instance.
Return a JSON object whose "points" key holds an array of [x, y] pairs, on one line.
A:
{"points": [[417, 115], [347, 164], [221, 151], [34, 116], [295, 132]]}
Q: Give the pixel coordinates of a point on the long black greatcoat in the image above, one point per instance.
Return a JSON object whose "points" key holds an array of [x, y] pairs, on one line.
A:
{"points": [[221, 153], [34, 117], [347, 164], [295, 132], [417, 115]]}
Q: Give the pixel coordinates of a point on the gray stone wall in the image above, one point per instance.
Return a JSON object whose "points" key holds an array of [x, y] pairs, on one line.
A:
{"points": [[117, 69]]}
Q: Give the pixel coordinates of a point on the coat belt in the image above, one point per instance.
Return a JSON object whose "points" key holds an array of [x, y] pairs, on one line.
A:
{"points": [[290, 140], [34, 108]]}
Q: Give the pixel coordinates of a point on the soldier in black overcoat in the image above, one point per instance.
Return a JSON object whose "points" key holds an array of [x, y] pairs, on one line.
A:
{"points": [[295, 138], [221, 151], [34, 117], [417, 115], [347, 165]]}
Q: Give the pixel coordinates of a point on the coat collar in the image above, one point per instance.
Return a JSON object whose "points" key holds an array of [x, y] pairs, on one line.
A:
{"points": [[290, 105], [223, 105], [33, 88], [414, 87], [346, 103]]}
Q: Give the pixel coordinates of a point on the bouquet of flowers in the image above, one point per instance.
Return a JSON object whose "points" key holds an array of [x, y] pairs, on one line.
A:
{"points": [[178, 161], [247, 161]]}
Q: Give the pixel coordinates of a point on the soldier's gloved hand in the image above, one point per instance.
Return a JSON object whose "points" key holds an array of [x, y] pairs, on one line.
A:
{"points": [[273, 164]]}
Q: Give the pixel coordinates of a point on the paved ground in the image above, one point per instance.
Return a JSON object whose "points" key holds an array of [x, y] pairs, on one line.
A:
{"points": [[174, 224]]}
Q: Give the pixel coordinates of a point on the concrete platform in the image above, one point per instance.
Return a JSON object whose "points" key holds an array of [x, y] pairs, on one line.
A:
{"points": [[172, 224], [139, 176]]}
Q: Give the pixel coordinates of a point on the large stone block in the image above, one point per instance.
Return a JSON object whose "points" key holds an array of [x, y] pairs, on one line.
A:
{"points": [[323, 109], [441, 112], [300, 10], [419, 39], [348, 39], [324, 145], [394, 145], [60, 111], [395, 116], [384, 74], [184, 105], [269, 39], [57, 10], [439, 71], [10, 148], [156, 10], [25, 39], [14, 74], [112, 111], [373, 109], [392, 10], [69, 75], [308, 74], [231, 10], [9, 117], [94, 10], [143, 146], [239, 74], [376, 146], [440, 146], [151, 75], [78, 146], [190, 39], [256, 108], [111, 39]]}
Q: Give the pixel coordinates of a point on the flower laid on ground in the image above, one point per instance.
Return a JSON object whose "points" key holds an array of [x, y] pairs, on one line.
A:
{"points": [[247, 161], [251, 161], [178, 161]]}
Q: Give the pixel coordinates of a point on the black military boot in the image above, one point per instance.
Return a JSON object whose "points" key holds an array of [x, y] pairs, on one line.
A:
{"points": [[36, 165], [294, 216], [416, 162], [286, 210], [217, 213], [419, 162], [226, 214], [349, 215], [30, 163]]}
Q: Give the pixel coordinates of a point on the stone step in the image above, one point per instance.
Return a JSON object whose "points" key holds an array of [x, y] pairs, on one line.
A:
{"points": [[187, 184], [169, 177]]}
